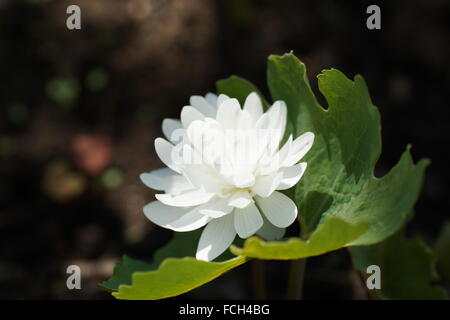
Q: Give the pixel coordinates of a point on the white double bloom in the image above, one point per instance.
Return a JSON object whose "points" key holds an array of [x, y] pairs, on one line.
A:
{"points": [[225, 170]]}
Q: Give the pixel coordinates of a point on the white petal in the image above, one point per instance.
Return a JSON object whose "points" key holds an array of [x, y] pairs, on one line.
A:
{"points": [[269, 232], [178, 184], [240, 199], [209, 140], [186, 199], [244, 180], [278, 115], [204, 177], [196, 134], [221, 98], [268, 164], [279, 209], [200, 103], [253, 106], [189, 114], [291, 175], [217, 208], [263, 122], [266, 185], [167, 180], [299, 147], [228, 113], [156, 179], [164, 151], [169, 127], [206, 138], [212, 99], [263, 137], [247, 221], [283, 153], [244, 122], [177, 219], [217, 236]]}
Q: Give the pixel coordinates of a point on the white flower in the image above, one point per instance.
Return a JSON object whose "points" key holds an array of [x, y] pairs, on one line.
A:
{"points": [[225, 170]]}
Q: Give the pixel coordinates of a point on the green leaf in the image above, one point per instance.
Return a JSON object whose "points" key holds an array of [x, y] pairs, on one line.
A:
{"points": [[323, 240], [406, 268], [442, 252], [122, 273], [174, 277], [239, 88], [339, 180], [183, 246]]}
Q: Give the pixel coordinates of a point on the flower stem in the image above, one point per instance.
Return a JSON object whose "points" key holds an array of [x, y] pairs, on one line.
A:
{"points": [[295, 281], [258, 280]]}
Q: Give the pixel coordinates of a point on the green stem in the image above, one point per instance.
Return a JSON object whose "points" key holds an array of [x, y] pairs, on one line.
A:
{"points": [[295, 281], [258, 279]]}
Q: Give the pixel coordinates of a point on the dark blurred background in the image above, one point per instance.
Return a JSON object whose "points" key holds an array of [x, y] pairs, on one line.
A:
{"points": [[79, 111]]}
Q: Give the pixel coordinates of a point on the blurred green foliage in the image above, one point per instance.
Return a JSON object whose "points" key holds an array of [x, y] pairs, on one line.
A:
{"points": [[18, 113], [63, 90], [97, 79], [112, 178]]}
